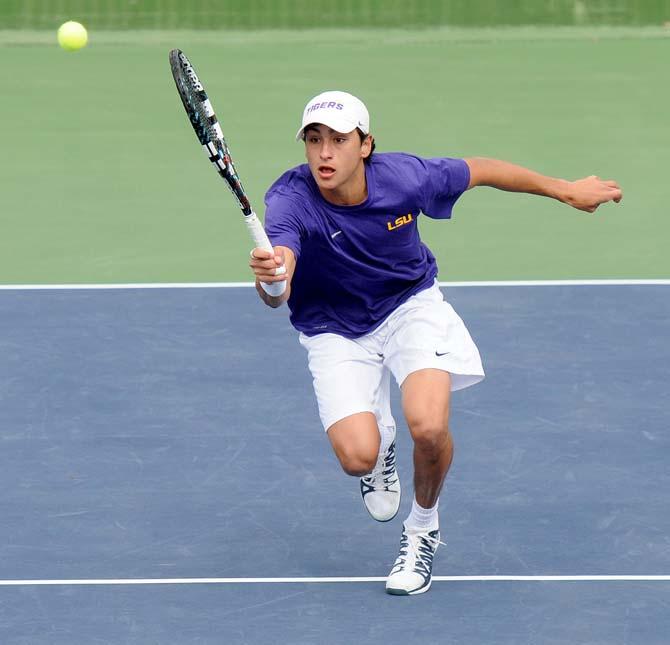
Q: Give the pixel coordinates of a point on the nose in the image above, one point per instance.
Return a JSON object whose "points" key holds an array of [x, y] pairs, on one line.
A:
{"points": [[326, 150]]}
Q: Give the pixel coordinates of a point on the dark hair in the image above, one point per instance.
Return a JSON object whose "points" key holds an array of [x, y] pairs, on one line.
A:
{"points": [[372, 147], [361, 134]]}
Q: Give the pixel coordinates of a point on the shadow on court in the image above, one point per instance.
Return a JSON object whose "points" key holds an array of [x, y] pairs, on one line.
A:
{"points": [[172, 433]]}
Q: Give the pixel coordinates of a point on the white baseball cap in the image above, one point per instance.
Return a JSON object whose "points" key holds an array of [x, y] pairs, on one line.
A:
{"points": [[340, 111]]}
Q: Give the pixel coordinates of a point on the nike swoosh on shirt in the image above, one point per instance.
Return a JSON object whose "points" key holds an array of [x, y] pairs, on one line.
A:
{"points": [[335, 234], [441, 353]]}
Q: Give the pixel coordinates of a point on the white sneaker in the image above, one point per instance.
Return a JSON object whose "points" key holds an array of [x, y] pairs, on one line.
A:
{"points": [[412, 572], [381, 488]]}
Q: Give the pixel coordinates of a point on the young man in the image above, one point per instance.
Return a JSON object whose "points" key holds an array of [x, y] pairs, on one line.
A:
{"points": [[362, 291]]}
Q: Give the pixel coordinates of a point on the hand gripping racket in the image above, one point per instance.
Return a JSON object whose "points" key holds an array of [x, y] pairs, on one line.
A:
{"points": [[210, 135]]}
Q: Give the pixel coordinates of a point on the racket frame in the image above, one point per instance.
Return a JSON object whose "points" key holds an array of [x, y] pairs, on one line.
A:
{"points": [[208, 130]]}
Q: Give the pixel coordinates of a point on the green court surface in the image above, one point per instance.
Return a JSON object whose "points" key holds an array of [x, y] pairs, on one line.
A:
{"points": [[102, 180]]}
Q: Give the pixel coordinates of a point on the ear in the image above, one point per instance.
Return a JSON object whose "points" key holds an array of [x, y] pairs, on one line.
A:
{"points": [[366, 146]]}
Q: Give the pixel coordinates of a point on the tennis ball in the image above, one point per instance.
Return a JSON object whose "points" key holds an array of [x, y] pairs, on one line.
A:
{"points": [[72, 36]]}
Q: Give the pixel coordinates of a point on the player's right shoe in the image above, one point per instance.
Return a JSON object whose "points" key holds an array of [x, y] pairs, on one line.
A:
{"points": [[381, 488]]}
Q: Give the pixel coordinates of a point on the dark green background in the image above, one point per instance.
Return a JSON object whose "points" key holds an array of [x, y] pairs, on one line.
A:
{"points": [[102, 180], [254, 14]]}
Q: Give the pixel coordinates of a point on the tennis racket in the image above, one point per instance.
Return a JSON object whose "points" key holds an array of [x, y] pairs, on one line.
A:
{"points": [[209, 133]]}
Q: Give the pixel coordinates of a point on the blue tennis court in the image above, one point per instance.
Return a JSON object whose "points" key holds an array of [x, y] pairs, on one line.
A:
{"points": [[165, 478]]}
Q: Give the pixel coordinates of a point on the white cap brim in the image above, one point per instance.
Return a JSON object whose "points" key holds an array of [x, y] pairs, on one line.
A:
{"points": [[339, 125], [339, 111]]}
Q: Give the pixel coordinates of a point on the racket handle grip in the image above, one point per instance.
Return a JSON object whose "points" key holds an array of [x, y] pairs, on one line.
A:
{"points": [[261, 241]]}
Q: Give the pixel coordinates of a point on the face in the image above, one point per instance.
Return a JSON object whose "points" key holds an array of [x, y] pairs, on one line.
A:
{"points": [[336, 159]]}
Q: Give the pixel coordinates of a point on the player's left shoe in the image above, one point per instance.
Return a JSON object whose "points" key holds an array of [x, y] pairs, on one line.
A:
{"points": [[412, 572], [381, 488]]}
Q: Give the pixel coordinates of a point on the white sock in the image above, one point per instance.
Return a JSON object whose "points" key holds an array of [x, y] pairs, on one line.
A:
{"points": [[386, 433], [425, 519]]}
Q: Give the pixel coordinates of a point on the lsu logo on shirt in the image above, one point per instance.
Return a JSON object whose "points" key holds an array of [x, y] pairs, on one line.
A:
{"points": [[399, 221]]}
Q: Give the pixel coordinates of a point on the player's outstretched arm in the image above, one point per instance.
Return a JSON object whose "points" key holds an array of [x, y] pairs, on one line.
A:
{"points": [[584, 194], [263, 263]]}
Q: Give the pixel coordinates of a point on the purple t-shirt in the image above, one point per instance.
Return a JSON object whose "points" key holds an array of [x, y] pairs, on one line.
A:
{"points": [[356, 264]]}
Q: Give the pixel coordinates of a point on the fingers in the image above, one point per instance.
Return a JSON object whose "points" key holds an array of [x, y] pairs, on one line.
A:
{"points": [[594, 191], [265, 263], [614, 192], [271, 277], [617, 195], [261, 257], [260, 254]]}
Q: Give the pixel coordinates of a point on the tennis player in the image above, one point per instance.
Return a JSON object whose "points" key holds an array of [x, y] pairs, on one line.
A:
{"points": [[362, 292]]}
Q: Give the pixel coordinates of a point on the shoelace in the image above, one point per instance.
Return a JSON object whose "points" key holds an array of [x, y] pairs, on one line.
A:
{"points": [[388, 472], [424, 547]]}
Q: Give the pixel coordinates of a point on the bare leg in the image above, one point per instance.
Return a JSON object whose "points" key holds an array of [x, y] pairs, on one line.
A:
{"points": [[355, 440], [425, 401]]}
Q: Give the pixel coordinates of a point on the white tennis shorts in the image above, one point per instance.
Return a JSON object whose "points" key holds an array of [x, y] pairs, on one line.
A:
{"points": [[353, 375]]}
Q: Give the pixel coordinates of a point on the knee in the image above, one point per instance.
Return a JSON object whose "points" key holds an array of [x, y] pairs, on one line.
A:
{"points": [[431, 436], [357, 463]]}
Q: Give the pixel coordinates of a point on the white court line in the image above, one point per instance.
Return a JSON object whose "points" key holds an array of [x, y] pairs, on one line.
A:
{"points": [[229, 581], [130, 285], [221, 581], [228, 285], [557, 283]]}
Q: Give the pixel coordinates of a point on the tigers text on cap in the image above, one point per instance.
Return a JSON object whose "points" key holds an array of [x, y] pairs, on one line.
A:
{"points": [[338, 110]]}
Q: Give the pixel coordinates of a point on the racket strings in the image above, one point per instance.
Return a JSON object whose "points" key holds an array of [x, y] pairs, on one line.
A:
{"points": [[206, 126]]}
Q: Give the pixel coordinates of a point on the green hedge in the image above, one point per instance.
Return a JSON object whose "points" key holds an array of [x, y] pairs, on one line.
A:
{"points": [[255, 14]]}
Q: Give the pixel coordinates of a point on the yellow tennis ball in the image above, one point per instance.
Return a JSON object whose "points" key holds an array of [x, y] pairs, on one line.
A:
{"points": [[72, 36]]}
